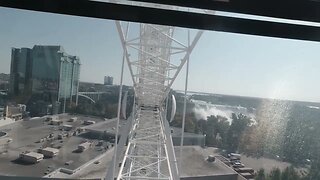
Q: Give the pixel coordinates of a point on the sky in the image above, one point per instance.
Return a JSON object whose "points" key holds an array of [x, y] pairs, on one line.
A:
{"points": [[222, 63]]}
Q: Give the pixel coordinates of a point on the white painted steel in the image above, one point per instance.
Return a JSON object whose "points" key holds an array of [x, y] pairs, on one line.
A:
{"points": [[149, 153], [92, 96], [124, 105], [174, 107]]}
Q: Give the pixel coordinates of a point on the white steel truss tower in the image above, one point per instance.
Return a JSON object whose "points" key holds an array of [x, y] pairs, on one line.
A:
{"points": [[149, 153]]}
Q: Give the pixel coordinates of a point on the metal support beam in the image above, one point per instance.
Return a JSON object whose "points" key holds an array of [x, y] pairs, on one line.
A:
{"points": [[304, 10], [107, 10]]}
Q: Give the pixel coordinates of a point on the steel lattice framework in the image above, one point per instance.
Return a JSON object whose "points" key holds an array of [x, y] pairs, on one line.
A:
{"points": [[149, 152]]}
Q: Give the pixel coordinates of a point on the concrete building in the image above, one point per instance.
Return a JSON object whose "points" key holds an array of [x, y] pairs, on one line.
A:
{"points": [[73, 119], [108, 80], [15, 112], [50, 118], [67, 127], [83, 146], [49, 152], [57, 122], [195, 165], [31, 157], [54, 120], [45, 71]]}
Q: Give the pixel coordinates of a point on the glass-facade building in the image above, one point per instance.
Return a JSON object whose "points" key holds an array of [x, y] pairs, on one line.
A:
{"points": [[46, 71], [20, 70], [69, 76]]}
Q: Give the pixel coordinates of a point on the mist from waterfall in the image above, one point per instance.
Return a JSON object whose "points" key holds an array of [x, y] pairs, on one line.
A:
{"points": [[204, 109]]}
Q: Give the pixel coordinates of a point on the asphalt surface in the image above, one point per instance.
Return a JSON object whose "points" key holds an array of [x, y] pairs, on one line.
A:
{"points": [[265, 163], [25, 136]]}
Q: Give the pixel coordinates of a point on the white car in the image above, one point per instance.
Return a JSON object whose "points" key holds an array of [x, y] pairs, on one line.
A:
{"points": [[238, 165]]}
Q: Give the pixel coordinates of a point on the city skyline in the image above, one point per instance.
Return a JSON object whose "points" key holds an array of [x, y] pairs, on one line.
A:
{"points": [[222, 63]]}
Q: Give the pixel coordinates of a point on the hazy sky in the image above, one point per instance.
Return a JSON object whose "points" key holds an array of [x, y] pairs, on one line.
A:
{"points": [[223, 63]]}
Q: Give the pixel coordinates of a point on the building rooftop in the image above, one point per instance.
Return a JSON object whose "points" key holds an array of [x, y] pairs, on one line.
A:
{"points": [[194, 165], [194, 162], [109, 126], [84, 144], [51, 149], [34, 154]]}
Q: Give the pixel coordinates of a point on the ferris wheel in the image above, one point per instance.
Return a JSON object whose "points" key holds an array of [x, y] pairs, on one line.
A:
{"points": [[155, 58]]}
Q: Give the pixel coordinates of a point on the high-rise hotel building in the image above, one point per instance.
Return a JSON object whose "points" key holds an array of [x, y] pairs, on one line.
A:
{"points": [[45, 71]]}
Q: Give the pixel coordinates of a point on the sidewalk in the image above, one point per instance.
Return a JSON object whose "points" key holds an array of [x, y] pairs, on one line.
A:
{"points": [[6, 121]]}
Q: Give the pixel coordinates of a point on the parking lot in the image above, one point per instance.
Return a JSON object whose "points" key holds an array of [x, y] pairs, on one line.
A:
{"points": [[26, 136]]}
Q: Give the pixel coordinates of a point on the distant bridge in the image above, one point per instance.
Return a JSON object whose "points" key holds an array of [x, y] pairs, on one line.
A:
{"points": [[92, 96]]}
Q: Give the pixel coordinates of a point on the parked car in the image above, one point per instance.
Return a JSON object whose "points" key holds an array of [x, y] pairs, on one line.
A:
{"points": [[237, 165], [97, 162], [68, 162]]}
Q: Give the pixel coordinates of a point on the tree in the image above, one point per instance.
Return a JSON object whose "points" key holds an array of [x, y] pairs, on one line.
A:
{"points": [[190, 122], [275, 174], [289, 174], [239, 123], [201, 126], [211, 130], [302, 135], [314, 172], [214, 126], [260, 175], [223, 127]]}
